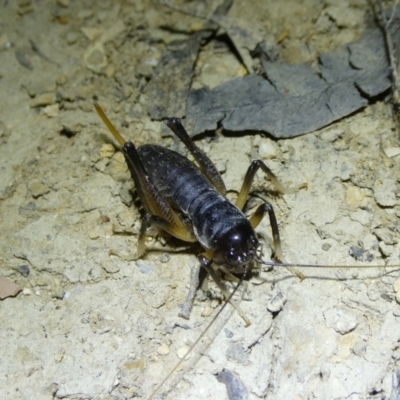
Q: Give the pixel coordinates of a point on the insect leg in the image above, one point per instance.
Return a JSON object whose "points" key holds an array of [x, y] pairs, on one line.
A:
{"points": [[182, 231], [141, 246], [248, 181], [256, 218], [194, 284], [150, 197], [207, 167], [206, 263], [158, 209], [161, 213]]}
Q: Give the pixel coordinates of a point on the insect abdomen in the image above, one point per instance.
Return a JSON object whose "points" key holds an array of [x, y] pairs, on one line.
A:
{"points": [[177, 178], [189, 191]]}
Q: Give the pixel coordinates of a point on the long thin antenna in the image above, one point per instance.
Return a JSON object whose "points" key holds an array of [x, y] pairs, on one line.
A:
{"points": [[274, 264], [182, 360]]}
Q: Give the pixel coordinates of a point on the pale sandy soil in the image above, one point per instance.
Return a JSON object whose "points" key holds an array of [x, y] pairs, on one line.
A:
{"points": [[93, 326]]}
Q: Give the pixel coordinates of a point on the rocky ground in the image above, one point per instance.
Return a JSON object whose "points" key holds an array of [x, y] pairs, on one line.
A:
{"points": [[91, 325]]}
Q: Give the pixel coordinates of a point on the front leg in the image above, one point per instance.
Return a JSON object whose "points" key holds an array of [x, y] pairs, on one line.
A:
{"points": [[206, 263], [266, 207], [194, 285], [256, 218], [248, 181]]}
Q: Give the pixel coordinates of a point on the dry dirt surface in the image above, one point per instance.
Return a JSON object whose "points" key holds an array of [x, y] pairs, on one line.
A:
{"points": [[91, 325]]}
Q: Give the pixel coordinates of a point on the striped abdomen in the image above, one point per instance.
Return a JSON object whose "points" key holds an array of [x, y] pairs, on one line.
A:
{"points": [[184, 186]]}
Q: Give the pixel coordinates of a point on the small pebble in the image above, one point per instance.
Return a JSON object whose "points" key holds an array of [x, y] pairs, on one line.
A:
{"points": [[52, 110], [95, 57], [43, 99], [340, 320], [276, 303], [49, 149], [357, 252], [102, 165], [197, 26], [356, 196], [67, 295], [361, 216], [332, 135], [107, 150], [93, 234], [58, 357], [164, 258], [206, 311], [384, 193], [8, 288], [386, 235], [110, 71], [144, 267], [23, 270], [396, 286], [110, 267], [234, 386], [92, 33], [58, 294], [72, 37], [181, 352], [126, 194], [391, 152], [163, 350], [37, 188], [387, 250], [229, 334], [118, 169], [267, 150], [326, 246], [169, 330]]}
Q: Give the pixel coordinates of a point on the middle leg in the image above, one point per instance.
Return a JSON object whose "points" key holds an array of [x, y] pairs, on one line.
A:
{"points": [[256, 218], [266, 207], [206, 263], [249, 178]]}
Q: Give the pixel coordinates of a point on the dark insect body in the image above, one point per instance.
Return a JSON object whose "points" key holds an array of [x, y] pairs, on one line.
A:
{"points": [[217, 224], [189, 202]]}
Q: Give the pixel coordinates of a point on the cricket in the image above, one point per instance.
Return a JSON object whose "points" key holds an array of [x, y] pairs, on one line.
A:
{"points": [[189, 202]]}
